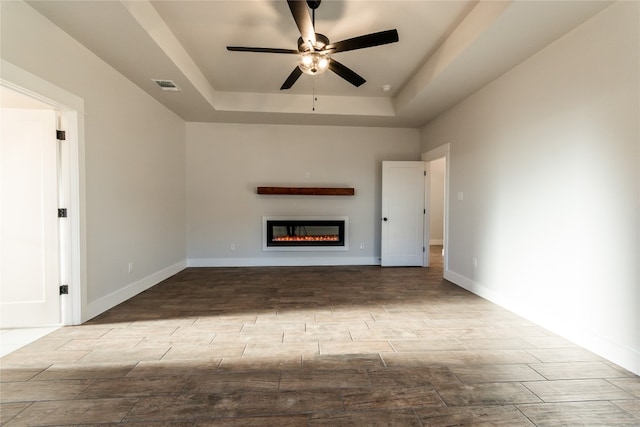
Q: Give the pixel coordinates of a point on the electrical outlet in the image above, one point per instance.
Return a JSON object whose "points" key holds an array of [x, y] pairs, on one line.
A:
{"points": [[130, 267], [361, 246], [232, 246], [475, 262]]}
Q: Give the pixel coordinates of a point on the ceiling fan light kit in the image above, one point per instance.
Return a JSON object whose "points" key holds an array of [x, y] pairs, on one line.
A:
{"points": [[313, 59], [314, 63], [315, 49]]}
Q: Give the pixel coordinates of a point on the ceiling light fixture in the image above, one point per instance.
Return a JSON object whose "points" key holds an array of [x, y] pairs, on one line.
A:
{"points": [[314, 63], [386, 88]]}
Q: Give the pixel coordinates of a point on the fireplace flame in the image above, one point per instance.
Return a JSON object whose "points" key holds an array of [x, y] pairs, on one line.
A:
{"points": [[326, 238]]}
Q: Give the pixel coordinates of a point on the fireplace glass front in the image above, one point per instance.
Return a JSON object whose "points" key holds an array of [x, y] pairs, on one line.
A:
{"points": [[305, 233]]}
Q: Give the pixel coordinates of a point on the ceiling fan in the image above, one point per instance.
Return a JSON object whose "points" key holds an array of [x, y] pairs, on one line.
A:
{"points": [[315, 50]]}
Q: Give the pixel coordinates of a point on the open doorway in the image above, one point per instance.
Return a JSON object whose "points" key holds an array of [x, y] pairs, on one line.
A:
{"points": [[437, 160], [437, 169]]}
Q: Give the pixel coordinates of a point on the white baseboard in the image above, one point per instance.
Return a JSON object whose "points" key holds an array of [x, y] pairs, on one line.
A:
{"points": [[103, 304], [621, 355], [281, 261]]}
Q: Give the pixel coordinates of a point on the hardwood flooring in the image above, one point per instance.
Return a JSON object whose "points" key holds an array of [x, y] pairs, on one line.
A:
{"points": [[313, 346]]}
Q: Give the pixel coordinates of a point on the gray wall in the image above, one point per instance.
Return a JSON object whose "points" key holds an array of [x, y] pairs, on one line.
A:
{"points": [[134, 160], [226, 162], [547, 159]]}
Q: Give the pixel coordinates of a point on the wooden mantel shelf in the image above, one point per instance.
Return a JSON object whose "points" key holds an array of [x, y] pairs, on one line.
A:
{"points": [[308, 191]]}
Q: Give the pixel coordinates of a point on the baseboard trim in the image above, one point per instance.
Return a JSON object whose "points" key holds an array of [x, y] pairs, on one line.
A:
{"points": [[281, 261], [621, 355], [109, 301]]}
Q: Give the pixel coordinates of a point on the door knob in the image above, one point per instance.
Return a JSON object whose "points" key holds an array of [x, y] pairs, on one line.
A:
{"points": [[384, 219]]}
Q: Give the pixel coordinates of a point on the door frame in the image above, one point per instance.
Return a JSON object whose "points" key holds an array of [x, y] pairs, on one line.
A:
{"points": [[426, 218], [70, 110], [428, 156]]}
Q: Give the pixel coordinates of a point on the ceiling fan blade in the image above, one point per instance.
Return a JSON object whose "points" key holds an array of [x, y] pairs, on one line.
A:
{"points": [[293, 77], [260, 49], [346, 73], [368, 40], [303, 20]]}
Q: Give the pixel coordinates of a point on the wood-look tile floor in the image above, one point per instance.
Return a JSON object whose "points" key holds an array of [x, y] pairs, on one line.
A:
{"points": [[312, 346]]}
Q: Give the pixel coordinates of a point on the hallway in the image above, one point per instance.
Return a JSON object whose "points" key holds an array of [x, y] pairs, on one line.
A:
{"points": [[292, 346]]}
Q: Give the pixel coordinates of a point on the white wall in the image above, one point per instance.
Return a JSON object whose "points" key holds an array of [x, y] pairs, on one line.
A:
{"points": [[134, 158], [547, 160], [436, 201], [226, 162]]}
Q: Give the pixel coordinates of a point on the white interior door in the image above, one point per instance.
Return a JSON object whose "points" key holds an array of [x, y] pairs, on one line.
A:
{"points": [[403, 213], [29, 248]]}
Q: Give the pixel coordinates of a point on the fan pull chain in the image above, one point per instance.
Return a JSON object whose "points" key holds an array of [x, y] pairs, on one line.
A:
{"points": [[315, 97]]}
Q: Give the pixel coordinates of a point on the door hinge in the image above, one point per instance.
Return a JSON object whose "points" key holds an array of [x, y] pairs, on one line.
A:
{"points": [[61, 135], [424, 211], [62, 213], [64, 289], [424, 249], [425, 173]]}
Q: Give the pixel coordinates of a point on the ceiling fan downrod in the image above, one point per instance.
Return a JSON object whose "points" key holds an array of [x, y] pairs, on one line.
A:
{"points": [[313, 5]]}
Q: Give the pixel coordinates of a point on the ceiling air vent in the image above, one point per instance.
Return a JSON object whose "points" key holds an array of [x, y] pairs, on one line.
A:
{"points": [[166, 85]]}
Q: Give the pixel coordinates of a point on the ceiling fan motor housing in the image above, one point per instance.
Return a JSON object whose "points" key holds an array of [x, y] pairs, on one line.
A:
{"points": [[321, 42]]}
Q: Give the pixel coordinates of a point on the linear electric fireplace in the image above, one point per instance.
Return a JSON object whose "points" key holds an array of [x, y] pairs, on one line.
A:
{"points": [[305, 233]]}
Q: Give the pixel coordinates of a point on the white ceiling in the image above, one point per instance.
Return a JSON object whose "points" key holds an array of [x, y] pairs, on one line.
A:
{"points": [[447, 50]]}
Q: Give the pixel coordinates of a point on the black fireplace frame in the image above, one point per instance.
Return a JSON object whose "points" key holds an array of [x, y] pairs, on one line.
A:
{"points": [[295, 224]]}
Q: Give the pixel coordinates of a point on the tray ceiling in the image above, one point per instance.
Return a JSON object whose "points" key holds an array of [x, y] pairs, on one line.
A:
{"points": [[447, 50]]}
